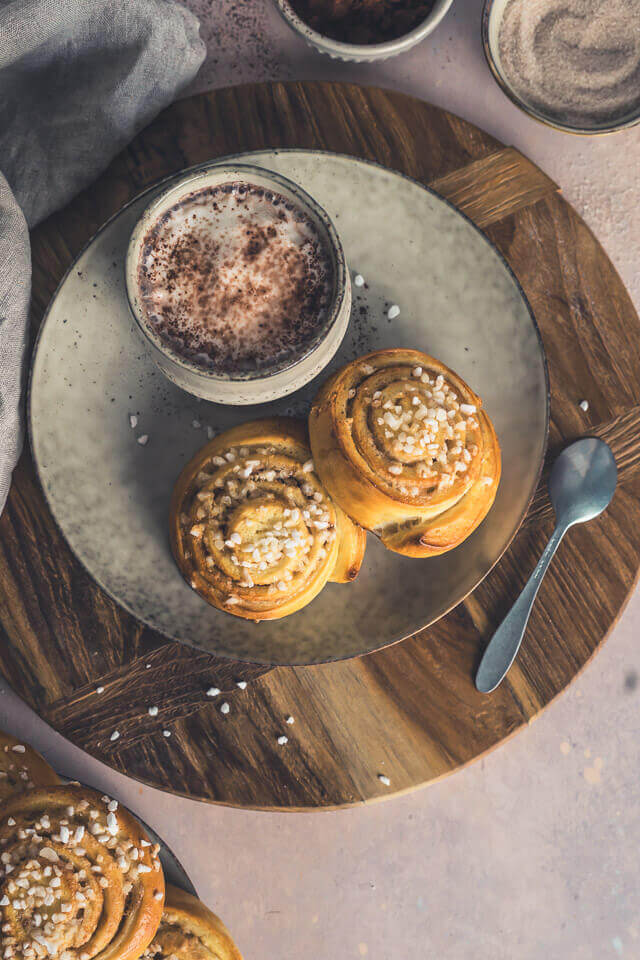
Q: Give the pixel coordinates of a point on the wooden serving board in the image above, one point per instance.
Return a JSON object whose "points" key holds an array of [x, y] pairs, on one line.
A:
{"points": [[410, 712]]}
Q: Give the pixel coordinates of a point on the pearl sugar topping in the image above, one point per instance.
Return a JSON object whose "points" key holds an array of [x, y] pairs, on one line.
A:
{"points": [[52, 887], [422, 426], [260, 515]]}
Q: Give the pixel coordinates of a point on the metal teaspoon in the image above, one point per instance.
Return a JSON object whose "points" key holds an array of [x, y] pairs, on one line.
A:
{"points": [[581, 485]]}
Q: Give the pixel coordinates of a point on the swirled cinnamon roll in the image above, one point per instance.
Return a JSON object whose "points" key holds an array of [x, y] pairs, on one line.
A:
{"points": [[402, 444], [253, 530], [22, 767], [190, 931], [79, 878]]}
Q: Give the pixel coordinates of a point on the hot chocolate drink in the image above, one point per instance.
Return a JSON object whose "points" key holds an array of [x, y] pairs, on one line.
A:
{"points": [[235, 278]]}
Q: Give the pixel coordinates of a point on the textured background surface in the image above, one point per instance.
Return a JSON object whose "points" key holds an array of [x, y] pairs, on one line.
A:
{"points": [[531, 853]]}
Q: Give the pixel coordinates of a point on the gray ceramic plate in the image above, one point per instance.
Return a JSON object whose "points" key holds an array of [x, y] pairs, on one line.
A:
{"points": [[459, 301]]}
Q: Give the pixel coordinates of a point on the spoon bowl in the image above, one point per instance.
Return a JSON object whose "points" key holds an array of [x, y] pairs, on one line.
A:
{"points": [[583, 481]]}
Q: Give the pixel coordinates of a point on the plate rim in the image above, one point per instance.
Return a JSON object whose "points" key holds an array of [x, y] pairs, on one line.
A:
{"points": [[276, 151]]}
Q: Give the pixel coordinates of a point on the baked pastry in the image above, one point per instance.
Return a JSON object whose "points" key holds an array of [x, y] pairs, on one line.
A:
{"points": [[252, 529], [22, 767], [190, 931], [402, 444], [79, 878]]}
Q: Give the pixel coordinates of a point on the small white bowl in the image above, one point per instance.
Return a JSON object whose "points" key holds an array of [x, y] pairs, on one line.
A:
{"points": [[279, 380], [364, 52], [492, 14]]}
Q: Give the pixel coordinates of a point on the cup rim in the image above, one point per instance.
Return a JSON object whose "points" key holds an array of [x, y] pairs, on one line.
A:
{"points": [[531, 111], [191, 177], [385, 48]]}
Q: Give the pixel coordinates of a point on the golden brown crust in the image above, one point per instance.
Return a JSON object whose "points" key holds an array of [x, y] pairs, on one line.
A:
{"points": [[22, 767], [190, 931], [79, 878], [252, 529], [401, 443]]}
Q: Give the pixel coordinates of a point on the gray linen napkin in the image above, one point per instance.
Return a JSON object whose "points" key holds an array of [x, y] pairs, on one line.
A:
{"points": [[78, 78]]}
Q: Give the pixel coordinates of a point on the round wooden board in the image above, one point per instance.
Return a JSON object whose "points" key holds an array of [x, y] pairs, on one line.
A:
{"points": [[410, 711]]}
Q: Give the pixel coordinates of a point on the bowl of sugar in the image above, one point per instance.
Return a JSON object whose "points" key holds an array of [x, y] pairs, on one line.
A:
{"points": [[572, 64]]}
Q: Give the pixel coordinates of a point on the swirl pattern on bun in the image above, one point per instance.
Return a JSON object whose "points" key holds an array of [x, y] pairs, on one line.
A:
{"points": [[79, 878], [402, 444], [253, 530]]}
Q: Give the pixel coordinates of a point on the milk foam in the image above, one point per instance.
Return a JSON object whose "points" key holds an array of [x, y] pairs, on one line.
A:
{"points": [[236, 278]]}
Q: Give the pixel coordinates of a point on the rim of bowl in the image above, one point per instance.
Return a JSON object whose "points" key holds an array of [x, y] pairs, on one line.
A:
{"points": [[531, 111], [317, 213], [387, 48]]}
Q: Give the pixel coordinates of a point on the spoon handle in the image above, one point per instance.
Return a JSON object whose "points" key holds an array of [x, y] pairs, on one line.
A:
{"points": [[505, 643]]}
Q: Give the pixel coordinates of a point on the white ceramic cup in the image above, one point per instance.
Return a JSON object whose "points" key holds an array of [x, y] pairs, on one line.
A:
{"points": [[363, 52], [279, 380]]}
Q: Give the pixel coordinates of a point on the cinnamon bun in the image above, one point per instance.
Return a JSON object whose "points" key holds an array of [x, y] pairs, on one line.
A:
{"points": [[79, 878], [403, 445], [22, 767], [253, 530], [190, 931]]}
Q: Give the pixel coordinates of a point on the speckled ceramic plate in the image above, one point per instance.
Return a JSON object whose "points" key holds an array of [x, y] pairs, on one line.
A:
{"points": [[110, 495]]}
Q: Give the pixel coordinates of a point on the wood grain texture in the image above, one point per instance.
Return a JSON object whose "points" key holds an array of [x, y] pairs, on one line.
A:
{"points": [[410, 711], [490, 189]]}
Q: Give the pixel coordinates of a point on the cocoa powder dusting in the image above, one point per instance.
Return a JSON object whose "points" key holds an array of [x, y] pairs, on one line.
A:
{"points": [[235, 278], [363, 21]]}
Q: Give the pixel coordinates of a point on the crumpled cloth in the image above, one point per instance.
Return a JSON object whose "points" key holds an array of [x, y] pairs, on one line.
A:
{"points": [[78, 79]]}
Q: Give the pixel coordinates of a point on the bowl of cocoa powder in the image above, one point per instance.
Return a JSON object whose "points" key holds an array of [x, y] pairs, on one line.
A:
{"points": [[363, 30]]}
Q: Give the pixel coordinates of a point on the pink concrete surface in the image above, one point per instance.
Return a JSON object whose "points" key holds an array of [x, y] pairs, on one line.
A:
{"points": [[528, 854]]}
